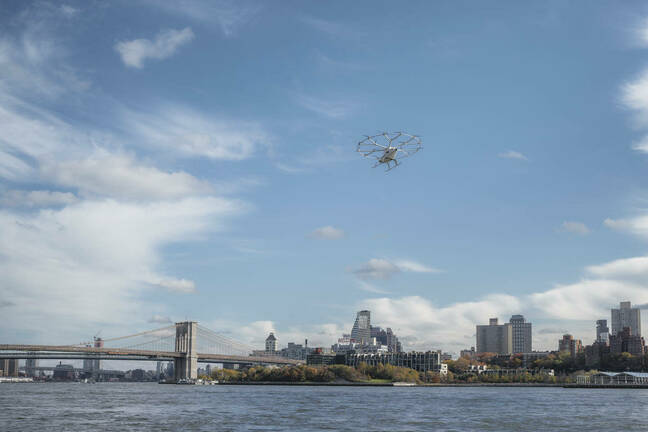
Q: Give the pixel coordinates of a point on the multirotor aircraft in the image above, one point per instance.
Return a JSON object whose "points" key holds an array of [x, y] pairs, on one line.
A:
{"points": [[389, 147]]}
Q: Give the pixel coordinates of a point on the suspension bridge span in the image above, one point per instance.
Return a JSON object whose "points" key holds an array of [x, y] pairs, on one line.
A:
{"points": [[185, 343]]}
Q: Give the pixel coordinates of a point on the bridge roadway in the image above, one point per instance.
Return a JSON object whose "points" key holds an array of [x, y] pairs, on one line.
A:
{"points": [[63, 352]]}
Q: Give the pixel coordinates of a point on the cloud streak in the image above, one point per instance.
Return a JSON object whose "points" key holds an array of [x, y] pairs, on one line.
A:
{"points": [[380, 268], [511, 154], [328, 233], [575, 227], [135, 52]]}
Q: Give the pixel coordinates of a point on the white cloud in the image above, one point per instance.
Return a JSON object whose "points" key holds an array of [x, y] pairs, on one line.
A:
{"points": [[642, 145], [511, 154], [228, 15], [573, 307], [335, 109], [634, 95], [134, 53], [121, 176], [416, 267], [622, 268], [380, 268], [36, 198], [191, 133], [575, 227], [637, 225], [328, 232], [376, 268], [93, 262], [68, 10], [160, 319], [86, 247], [177, 285], [425, 326]]}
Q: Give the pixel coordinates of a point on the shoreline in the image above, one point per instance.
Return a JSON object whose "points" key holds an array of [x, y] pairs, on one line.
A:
{"points": [[395, 384]]}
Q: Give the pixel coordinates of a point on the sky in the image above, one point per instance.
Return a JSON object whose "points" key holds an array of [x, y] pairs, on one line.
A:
{"points": [[165, 161]]}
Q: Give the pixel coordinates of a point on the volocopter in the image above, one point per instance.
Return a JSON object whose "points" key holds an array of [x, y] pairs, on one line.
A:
{"points": [[389, 147]]}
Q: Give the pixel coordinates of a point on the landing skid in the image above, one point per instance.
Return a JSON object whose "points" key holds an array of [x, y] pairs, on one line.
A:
{"points": [[389, 165]]}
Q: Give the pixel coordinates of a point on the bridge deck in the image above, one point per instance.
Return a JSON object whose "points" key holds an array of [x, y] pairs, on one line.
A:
{"points": [[65, 352]]}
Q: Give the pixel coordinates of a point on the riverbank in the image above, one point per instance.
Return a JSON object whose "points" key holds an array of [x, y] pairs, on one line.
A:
{"points": [[607, 386], [391, 384]]}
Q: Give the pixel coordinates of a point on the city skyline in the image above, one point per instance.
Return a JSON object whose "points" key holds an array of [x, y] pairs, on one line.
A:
{"points": [[161, 163]]}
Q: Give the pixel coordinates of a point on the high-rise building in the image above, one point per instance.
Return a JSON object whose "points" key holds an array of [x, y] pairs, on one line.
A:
{"points": [[521, 331], [626, 316], [271, 343], [361, 332], [602, 331], [386, 337], [92, 366], [9, 367], [30, 367], [495, 338], [625, 341], [568, 343]]}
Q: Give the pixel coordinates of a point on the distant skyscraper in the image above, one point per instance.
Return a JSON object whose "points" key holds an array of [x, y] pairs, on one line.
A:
{"points": [[271, 343], [30, 367], [521, 334], [386, 337], [602, 331], [495, 338], [568, 343], [625, 341], [361, 332], [626, 316]]}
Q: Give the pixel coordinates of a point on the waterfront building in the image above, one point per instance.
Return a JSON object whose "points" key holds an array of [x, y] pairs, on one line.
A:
{"points": [[568, 343], [602, 331], [626, 316], [613, 378], [271, 343], [321, 358], [9, 367], [521, 331], [296, 351], [30, 367], [361, 331], [495, 338], [420, 361], [625, 341], [519, 371]]}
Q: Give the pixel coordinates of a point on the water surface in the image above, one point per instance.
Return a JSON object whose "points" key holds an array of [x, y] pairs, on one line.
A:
{"points": [[144, 406]]}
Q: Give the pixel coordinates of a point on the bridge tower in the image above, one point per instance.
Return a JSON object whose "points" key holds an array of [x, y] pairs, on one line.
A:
{"points": [[186, 367]]}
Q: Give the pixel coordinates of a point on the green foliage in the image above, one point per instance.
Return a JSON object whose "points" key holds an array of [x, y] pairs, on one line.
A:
{"points": [[301, 373]]}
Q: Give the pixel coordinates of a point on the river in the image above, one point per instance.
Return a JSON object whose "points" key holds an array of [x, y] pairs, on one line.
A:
{"points": [[143, 407]]}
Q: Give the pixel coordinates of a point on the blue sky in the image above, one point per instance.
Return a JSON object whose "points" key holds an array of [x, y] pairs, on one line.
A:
{"points": [[162, 161]]}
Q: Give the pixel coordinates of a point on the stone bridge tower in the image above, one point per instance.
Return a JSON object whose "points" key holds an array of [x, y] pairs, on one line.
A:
{"points": [[186, 367]]}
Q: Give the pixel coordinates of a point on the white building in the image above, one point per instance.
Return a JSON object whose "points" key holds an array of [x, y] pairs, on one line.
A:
{"points": [[271, 343]]}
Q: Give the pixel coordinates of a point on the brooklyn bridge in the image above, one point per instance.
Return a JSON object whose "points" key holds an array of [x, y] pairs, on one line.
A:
{"points": [[185, 343]]}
